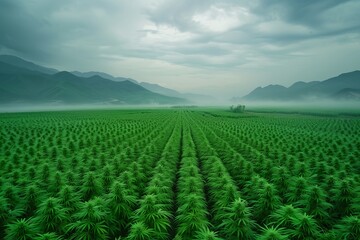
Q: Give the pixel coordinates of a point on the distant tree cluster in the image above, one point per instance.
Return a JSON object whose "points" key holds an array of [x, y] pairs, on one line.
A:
{"points": [[238, 108]]}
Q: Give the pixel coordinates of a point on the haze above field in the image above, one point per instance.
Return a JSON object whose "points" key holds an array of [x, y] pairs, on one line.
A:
{"points": [[221, 48]]}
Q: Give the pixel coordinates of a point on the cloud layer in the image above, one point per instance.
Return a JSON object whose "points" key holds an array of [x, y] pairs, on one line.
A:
{"points": [[217, 47]]}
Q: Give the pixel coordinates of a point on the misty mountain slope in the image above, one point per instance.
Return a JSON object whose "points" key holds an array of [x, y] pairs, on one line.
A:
{"points": [[149, 86], [160, 89], [332, 85], [347, 94], [21, 75], [99, 88], [194, 98], [21, 63], [61, 91], [103, 75], [156, 88], [300, 86], [66, 88], [6, 96], [344, 86], [22, 85], [268, 92]]}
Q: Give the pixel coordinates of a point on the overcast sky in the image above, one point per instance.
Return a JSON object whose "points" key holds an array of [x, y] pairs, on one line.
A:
{"points": [[222, 48]]}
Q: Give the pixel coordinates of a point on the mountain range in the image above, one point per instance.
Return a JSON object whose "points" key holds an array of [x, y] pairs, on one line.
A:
{"points": [[25, 82], [156, 88], [22, 81], [346, 86], [175, 96]]}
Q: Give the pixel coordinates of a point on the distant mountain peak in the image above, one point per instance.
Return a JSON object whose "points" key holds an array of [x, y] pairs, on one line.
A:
{"points": [[103, 75], [20, 85], [275, 86], [349, 73], [153, 87], [95, 76], [344, 86], [19, 62], [64, 74]]}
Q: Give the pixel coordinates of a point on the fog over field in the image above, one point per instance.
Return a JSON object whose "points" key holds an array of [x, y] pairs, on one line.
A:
{"points": [[10, 108], [223, 49], [325, 107]]}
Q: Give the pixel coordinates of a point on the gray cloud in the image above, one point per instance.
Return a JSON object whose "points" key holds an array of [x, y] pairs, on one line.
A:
{"points": [[203, 41], [21, 32], [306, 12]]}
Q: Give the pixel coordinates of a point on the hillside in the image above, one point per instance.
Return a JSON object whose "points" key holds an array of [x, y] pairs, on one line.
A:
{"points": [[21, 63], [23, 85], [346, 86], [156, 88], [103, 75]]}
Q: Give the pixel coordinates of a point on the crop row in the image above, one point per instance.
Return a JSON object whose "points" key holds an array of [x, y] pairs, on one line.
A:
{"points": [[178, 174]]}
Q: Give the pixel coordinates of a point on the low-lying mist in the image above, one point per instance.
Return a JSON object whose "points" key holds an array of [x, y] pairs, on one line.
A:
{"points": [[69, 107], [313, 106], [279, 106]]}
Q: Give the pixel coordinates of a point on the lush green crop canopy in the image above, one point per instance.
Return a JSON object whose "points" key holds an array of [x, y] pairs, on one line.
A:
{"points": [[179, 174]]}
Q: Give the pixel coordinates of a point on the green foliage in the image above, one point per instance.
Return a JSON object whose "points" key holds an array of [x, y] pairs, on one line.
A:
{"points": [[153, 216], [57, 183], [297, 190], [91, 186], [107, 179], [349, 228], [69, 199], [4, 210], [48, 236], [344, 198], [237, 109], [190, 223], [51, 217], [21, 229], [121, 205], [271, 233], [89, 222], [31, 200], [11, 195], [178, 174], [284, 216], [139, 231], [304, 227], [237, 222], [267, 202], [316, 205], [281, 181], [206, 234]]}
